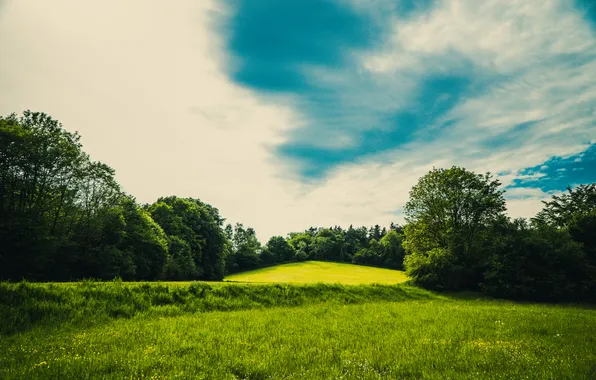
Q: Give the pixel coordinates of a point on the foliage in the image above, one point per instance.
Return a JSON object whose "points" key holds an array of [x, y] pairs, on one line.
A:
{"points": [[63, 216], [388, 252], [279, 250], [371, 255], [435, 269], [145, 241], [53, 199], [199, 226], [449, 213], [393, 251], [245, 250], [180, 264], [582, 229], [327, 245], [561, 209], [537, 264], [375, 246]]}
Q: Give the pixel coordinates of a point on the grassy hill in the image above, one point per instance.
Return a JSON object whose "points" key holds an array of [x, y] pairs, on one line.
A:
{"points": [[321, 272]]}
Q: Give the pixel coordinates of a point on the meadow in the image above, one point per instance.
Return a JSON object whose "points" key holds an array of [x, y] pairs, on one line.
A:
{"points": [[122, 330], [320, 272]]}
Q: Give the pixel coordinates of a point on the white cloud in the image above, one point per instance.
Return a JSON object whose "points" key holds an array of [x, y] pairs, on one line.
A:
{"points": [[144, 83], [538, 59]]}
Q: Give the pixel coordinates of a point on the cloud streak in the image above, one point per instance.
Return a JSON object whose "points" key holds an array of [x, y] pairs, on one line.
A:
{"points": [[288, 114]]}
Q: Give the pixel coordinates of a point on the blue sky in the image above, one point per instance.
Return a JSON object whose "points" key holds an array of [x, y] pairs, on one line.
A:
{"points": [[289, 113]]}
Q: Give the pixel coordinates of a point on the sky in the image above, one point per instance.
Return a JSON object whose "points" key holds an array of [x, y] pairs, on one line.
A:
{"points": [[297, 113]]}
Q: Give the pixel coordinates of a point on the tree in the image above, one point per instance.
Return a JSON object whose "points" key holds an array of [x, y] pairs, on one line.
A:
{"points": [[280, 249], [245, 250], [448, 214], [582, 228], [328, 246], [302, 244], [435, 269], [575, 212], [200, 227], [371, 255], [180, 264], [560, 210], [375, 233], [542, 263], [145, 240], [53, 200], [396, 227], [393, 251], [65, 217]]}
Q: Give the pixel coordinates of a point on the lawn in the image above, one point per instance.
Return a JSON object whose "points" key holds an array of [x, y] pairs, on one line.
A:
{"points": [[321, 272]]}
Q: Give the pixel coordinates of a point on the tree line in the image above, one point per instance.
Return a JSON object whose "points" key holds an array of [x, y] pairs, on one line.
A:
{"points": [[458, 237], [374, 246], [65, 217]]}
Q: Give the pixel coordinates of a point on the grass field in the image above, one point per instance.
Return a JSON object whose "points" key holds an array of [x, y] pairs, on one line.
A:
{"points": [[158, 331], [321, 272]]}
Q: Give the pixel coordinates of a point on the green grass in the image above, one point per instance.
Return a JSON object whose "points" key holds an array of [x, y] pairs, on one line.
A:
{"points": [[282, 331], [24, 306], [321, 272]]}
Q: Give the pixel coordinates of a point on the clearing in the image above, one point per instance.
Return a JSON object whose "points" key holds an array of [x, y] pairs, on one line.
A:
{"points": [[321, 272]]}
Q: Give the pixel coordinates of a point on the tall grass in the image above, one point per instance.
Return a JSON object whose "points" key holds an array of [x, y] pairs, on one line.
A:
{"points": [[122, 330], [431, 339], [26, 305]]}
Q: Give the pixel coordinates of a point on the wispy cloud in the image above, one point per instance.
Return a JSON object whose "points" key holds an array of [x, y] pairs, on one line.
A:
{"points": [[287, 114]]}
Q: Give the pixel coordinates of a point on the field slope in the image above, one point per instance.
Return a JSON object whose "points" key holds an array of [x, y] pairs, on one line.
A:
{"points": [[321, 272]]}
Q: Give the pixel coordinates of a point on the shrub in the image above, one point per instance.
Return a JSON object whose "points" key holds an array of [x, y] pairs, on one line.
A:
{"points": [[435, 269], [541, 263]]}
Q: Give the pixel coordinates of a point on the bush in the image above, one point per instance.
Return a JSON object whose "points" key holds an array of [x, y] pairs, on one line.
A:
{"points": [[582, 229], [541, 263], [435, 269]]}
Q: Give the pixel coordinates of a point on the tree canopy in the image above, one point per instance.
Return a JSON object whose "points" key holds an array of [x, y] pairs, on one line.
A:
{"points": [[65, 217], [561, 209], [448, 215]]}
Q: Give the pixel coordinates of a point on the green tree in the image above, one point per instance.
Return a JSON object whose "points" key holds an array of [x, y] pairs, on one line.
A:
{"points": [[542, 263], [371, 255], [245, 250], [180, 264], [280, 249], [375, 233], [200, 227], [355, 240], [449, 213], [326, 245], [582, 228], [145, 241], [393, 251], [302, 244], [575, 212], [53, 200], [560, 210]]}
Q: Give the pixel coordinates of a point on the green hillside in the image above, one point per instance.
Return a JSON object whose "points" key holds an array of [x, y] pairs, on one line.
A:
{"points": [[321, 272]]}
